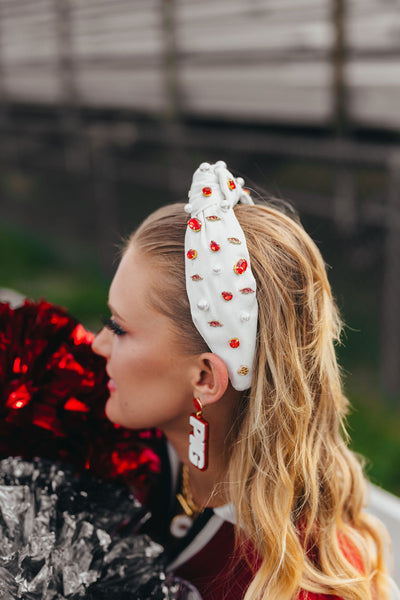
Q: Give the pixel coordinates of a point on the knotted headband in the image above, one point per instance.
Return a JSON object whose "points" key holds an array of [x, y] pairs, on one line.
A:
{"points": [[220, 285]]}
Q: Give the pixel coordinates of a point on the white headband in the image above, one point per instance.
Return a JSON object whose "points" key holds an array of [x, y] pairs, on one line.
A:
{"points": [[219, 282]]}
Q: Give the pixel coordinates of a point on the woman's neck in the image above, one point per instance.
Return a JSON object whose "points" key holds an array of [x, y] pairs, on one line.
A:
{"points": [[209, 488]]}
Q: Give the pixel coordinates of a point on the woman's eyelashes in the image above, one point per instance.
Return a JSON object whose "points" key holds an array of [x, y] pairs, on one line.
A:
{"points": [[113, 326]]}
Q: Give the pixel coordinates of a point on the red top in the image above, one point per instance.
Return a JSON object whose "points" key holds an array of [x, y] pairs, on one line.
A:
{"points": [[215, 571], [218, 577], [209, 561]]}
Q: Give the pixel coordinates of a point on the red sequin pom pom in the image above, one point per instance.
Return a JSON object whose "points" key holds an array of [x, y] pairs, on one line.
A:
{"points": [[53, 390]]}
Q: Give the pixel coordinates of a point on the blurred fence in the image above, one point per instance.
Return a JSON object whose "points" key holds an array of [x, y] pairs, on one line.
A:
{"points": [[254, 60], [111, 92], [158, 160]]}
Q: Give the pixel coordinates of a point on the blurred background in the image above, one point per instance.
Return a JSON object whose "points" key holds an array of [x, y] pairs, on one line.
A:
{"points": [[107, 107]]}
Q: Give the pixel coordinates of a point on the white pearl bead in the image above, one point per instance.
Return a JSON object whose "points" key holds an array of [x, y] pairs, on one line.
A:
{"points": [[244, 316], [217, 269], [221, 163], [188, 208], [204, 166], [203, 305], [225, 206]]}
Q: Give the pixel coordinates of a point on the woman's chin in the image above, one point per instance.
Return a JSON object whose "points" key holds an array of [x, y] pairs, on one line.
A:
{"points": [[111, 410]]}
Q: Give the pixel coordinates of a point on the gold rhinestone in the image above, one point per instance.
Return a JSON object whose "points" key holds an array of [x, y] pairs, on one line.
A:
{"points": [[243, 370]]}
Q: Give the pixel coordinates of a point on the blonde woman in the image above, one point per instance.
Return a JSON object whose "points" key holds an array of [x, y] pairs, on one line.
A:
{"points": [[222, 334]]}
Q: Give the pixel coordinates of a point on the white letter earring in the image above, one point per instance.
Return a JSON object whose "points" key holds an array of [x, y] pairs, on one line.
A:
{"points": [[198, 438]]}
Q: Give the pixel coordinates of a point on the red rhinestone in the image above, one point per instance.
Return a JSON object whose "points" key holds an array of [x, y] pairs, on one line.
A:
{"points": [[197, 277], [240, 266], [76, 405], [215, 324], [213, 218], [194, 224], [214, 246], [231, 184], [234, 240], [19, 397], [227, 296], [246, 291], [207, 191], [191, 254], [234, 343]]}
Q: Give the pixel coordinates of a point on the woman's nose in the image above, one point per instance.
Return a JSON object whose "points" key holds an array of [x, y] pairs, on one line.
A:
{"points": [[102, 343]]}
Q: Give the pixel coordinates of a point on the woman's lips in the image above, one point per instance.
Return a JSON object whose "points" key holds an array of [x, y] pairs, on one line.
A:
{"points": [[111, 386]]}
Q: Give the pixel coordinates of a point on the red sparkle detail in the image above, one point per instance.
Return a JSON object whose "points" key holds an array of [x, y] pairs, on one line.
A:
{"points": [[19, 397], [76, 405], [240, 266], [227, 296], [215, 324], [47, 420], [81, 336], [68, 362], [19, 367], [191, 254], [213, 218], [214, 246], [59, 321], [231, 184], [234, 343], [197, 277], [246, 291], [194, 224], [132, 460], [207, 191]]}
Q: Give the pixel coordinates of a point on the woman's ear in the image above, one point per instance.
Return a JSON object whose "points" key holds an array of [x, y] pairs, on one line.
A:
{"points": [[211, 380]]}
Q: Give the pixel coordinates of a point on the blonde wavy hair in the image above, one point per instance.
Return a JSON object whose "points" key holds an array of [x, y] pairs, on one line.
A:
{"points": [[297, 489]]}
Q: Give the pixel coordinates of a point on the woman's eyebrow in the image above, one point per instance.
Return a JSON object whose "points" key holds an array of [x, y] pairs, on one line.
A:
{"points": [[114, 312]]}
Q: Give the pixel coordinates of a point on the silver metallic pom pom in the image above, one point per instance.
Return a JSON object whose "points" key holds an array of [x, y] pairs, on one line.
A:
{"points": [[188, 208], [221, 163], [240, 181], [244, 316], [217, 269], [204, 166]]}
